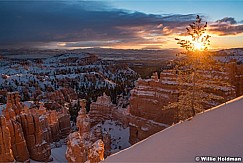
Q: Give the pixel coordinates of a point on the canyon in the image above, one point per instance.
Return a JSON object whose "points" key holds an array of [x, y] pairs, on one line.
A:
{"points": [[85, 105]]}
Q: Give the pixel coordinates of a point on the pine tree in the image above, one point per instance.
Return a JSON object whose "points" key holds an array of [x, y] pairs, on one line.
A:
{"points": [[196, 72]]}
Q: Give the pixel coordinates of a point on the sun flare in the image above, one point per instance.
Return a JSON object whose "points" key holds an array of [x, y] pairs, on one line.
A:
{"points": [[198, 46]]}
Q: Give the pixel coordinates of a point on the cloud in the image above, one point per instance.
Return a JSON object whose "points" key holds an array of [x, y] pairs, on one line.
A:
{"points": [[228, 20], [226, 26], [82, 23]]}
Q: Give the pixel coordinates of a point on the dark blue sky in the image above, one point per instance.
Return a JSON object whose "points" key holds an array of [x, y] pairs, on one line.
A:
{"points": [[213, 9], [116, 24]]}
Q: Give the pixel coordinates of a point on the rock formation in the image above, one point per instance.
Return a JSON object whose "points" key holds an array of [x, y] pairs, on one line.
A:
{"points": [[31, 129], [14, 99], [64, 123], [96, 152], [83, 121], [77, 145], [84, 144], [26, 129], [38, 148], [150, 95], [101, 109], [106, 137], [54, 125], [140, 128], [235, 73], [57, 98], [69, 94], [6, 154], [46, 130], [18, 143], [76, 149]]}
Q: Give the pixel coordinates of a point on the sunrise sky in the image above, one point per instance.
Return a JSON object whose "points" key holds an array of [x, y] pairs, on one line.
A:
{"points": [[119, 24]]}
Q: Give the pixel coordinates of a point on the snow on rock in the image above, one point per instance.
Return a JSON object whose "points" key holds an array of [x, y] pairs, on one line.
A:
{"points": [[82, 72], [2, 107], [227, 55], [97, 151], [28, 103], [216, 132]]}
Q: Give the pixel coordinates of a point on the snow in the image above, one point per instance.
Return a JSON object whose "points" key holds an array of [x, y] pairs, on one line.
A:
{"points": [[158, 89], [144, 128], [168, 82], [2, 107], [144, 93], [53, 70], [132, 124], [28, 103], [216, 132], [58, 155], [119, 135], [227, 55]]}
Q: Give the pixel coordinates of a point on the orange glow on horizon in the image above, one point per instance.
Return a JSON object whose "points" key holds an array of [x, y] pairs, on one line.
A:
{"points": [[168, 42]]}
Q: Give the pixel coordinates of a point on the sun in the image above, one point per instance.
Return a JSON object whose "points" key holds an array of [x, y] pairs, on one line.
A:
{"points": [[198, 46]]}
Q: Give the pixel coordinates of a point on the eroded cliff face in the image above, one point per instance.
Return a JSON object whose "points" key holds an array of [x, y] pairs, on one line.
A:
{"points": [[96, 152], [11, 113], [86, 144], [235, 74], [57, 98], [18, 143], [54, 125], [38, 148], [101, 109], [150, 96], [27, 135], [139, 128], [145, 115], [33, 129], [64, 123], [76, 149], [6, 154]]}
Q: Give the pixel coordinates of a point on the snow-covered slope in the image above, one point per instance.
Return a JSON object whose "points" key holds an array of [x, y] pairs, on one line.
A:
{"points": [[227, 55], [58, 154], [119, 135], [216, 132]]}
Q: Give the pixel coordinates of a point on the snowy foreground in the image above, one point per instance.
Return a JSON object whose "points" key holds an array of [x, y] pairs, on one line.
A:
{"points": [[216, 132]]}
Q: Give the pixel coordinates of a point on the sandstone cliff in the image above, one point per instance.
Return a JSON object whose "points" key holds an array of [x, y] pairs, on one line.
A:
{"points": [[33, 129], [6, 154], [38, 148], [84, 144], [139, 128], [150, 96]]}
